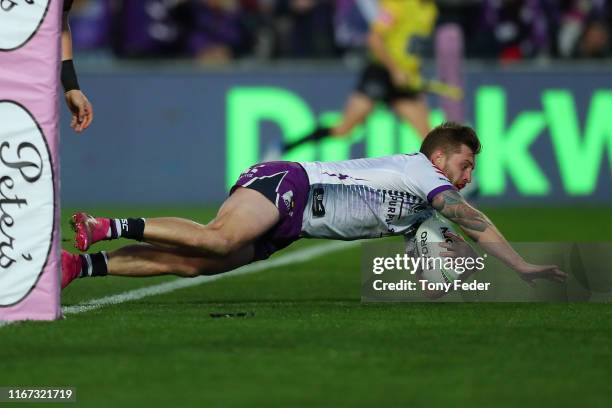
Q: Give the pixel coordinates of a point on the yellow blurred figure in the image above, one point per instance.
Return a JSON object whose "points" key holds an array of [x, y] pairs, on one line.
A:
{"points": [[396, 39], [404, 26]]}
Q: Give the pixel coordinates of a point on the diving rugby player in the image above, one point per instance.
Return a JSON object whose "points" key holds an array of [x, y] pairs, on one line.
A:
{"points": [[274, 204]]}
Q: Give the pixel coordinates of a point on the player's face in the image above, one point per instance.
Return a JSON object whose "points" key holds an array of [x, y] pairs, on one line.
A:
{"points": [[458, 166]]}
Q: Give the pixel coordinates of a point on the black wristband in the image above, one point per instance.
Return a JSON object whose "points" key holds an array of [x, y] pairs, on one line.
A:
{"points": [[68, 76]]}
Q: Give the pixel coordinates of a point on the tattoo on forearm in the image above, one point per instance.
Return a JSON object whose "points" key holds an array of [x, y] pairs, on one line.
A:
{"points": [[451, 205]]}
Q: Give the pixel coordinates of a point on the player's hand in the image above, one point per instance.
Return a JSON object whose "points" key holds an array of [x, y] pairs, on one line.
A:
{"points": [[457, 247], [400, 78], [81, 109], [529, 272]]}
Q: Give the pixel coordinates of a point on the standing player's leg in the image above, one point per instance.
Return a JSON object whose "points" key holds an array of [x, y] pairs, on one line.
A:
{"points": [[414, 111], [244, 216], [357, 109]]}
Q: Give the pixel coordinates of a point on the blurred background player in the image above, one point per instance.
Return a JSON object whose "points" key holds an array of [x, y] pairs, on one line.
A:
{"points": [[76, 101], [397, 37]]}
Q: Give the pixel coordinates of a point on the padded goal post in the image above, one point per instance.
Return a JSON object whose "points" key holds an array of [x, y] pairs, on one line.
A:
{"points": [[449, 49], [29, 161]]}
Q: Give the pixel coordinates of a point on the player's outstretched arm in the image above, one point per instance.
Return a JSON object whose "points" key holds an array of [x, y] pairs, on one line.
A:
{"points": [[480, 228]]}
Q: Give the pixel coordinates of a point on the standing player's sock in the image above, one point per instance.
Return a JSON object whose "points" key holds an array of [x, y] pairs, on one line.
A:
{"points": [[93, 265], [318, 134], [131, 228]]}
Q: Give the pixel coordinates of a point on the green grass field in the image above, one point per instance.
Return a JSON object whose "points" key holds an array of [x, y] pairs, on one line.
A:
{"points": [[311, 341]]}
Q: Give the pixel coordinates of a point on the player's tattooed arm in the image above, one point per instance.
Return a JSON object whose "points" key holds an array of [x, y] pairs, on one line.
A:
{"points": [[450, 204]]}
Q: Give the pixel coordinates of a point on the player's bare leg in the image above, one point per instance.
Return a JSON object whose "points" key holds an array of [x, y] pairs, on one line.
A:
{"points": [[144, 260], [357, 109], [243, 217], [148, 260], [415, 112]]}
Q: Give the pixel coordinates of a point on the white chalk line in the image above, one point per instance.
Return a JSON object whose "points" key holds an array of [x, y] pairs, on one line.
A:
{"points": [[290, 258]]}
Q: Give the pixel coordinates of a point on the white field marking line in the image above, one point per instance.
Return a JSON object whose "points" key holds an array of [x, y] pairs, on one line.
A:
{"points": [[298, 256]]}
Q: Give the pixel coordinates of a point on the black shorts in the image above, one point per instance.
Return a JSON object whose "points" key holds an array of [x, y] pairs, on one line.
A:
{"points": [[375, 82]]}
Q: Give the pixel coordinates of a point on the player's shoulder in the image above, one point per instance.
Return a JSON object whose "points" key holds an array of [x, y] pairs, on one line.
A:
{"points": [[390, 12], [417, 165], [409, 164], [418, 12], [396, 160], [393, 10], [415, 159]]}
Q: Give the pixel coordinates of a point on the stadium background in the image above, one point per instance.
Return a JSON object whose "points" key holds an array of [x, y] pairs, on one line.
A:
{"points": [[243, 74], [175, 124]]}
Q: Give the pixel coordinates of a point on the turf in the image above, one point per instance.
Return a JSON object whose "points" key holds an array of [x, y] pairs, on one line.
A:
{"points": [[311, 341]]}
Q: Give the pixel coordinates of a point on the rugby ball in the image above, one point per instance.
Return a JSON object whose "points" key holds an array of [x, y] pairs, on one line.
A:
{"points": [[430, 234]]}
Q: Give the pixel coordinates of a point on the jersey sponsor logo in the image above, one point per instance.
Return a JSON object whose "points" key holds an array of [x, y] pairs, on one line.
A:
{"points": [[19, 21], [400, 203], [27, 202], [289, 201], [318, 209], [395, 206]]}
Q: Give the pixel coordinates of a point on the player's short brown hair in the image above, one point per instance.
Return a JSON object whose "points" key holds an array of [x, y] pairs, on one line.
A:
{"points": [[449, 136]]}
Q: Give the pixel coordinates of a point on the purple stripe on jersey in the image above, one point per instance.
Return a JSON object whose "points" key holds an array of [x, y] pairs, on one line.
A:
{"points": [[438, 190]]}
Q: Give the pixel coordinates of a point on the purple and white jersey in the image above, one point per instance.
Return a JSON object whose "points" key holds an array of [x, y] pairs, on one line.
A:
{"points": [[370, 198]]}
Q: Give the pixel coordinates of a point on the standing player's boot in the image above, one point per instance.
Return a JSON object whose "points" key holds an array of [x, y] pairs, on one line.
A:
{"points": [[316, 135], [89, 230], [71, 268], [275, 151]]}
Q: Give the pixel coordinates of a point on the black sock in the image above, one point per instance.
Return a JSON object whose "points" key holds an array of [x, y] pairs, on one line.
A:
{"points": [[318, 134], [131, 228], [93, 265]]}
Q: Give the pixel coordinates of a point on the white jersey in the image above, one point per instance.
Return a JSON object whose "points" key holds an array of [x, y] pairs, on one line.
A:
{"points": [[370, 198]]}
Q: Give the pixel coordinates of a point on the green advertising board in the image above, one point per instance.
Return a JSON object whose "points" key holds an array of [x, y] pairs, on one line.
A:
{"points": [[577, 147]]}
